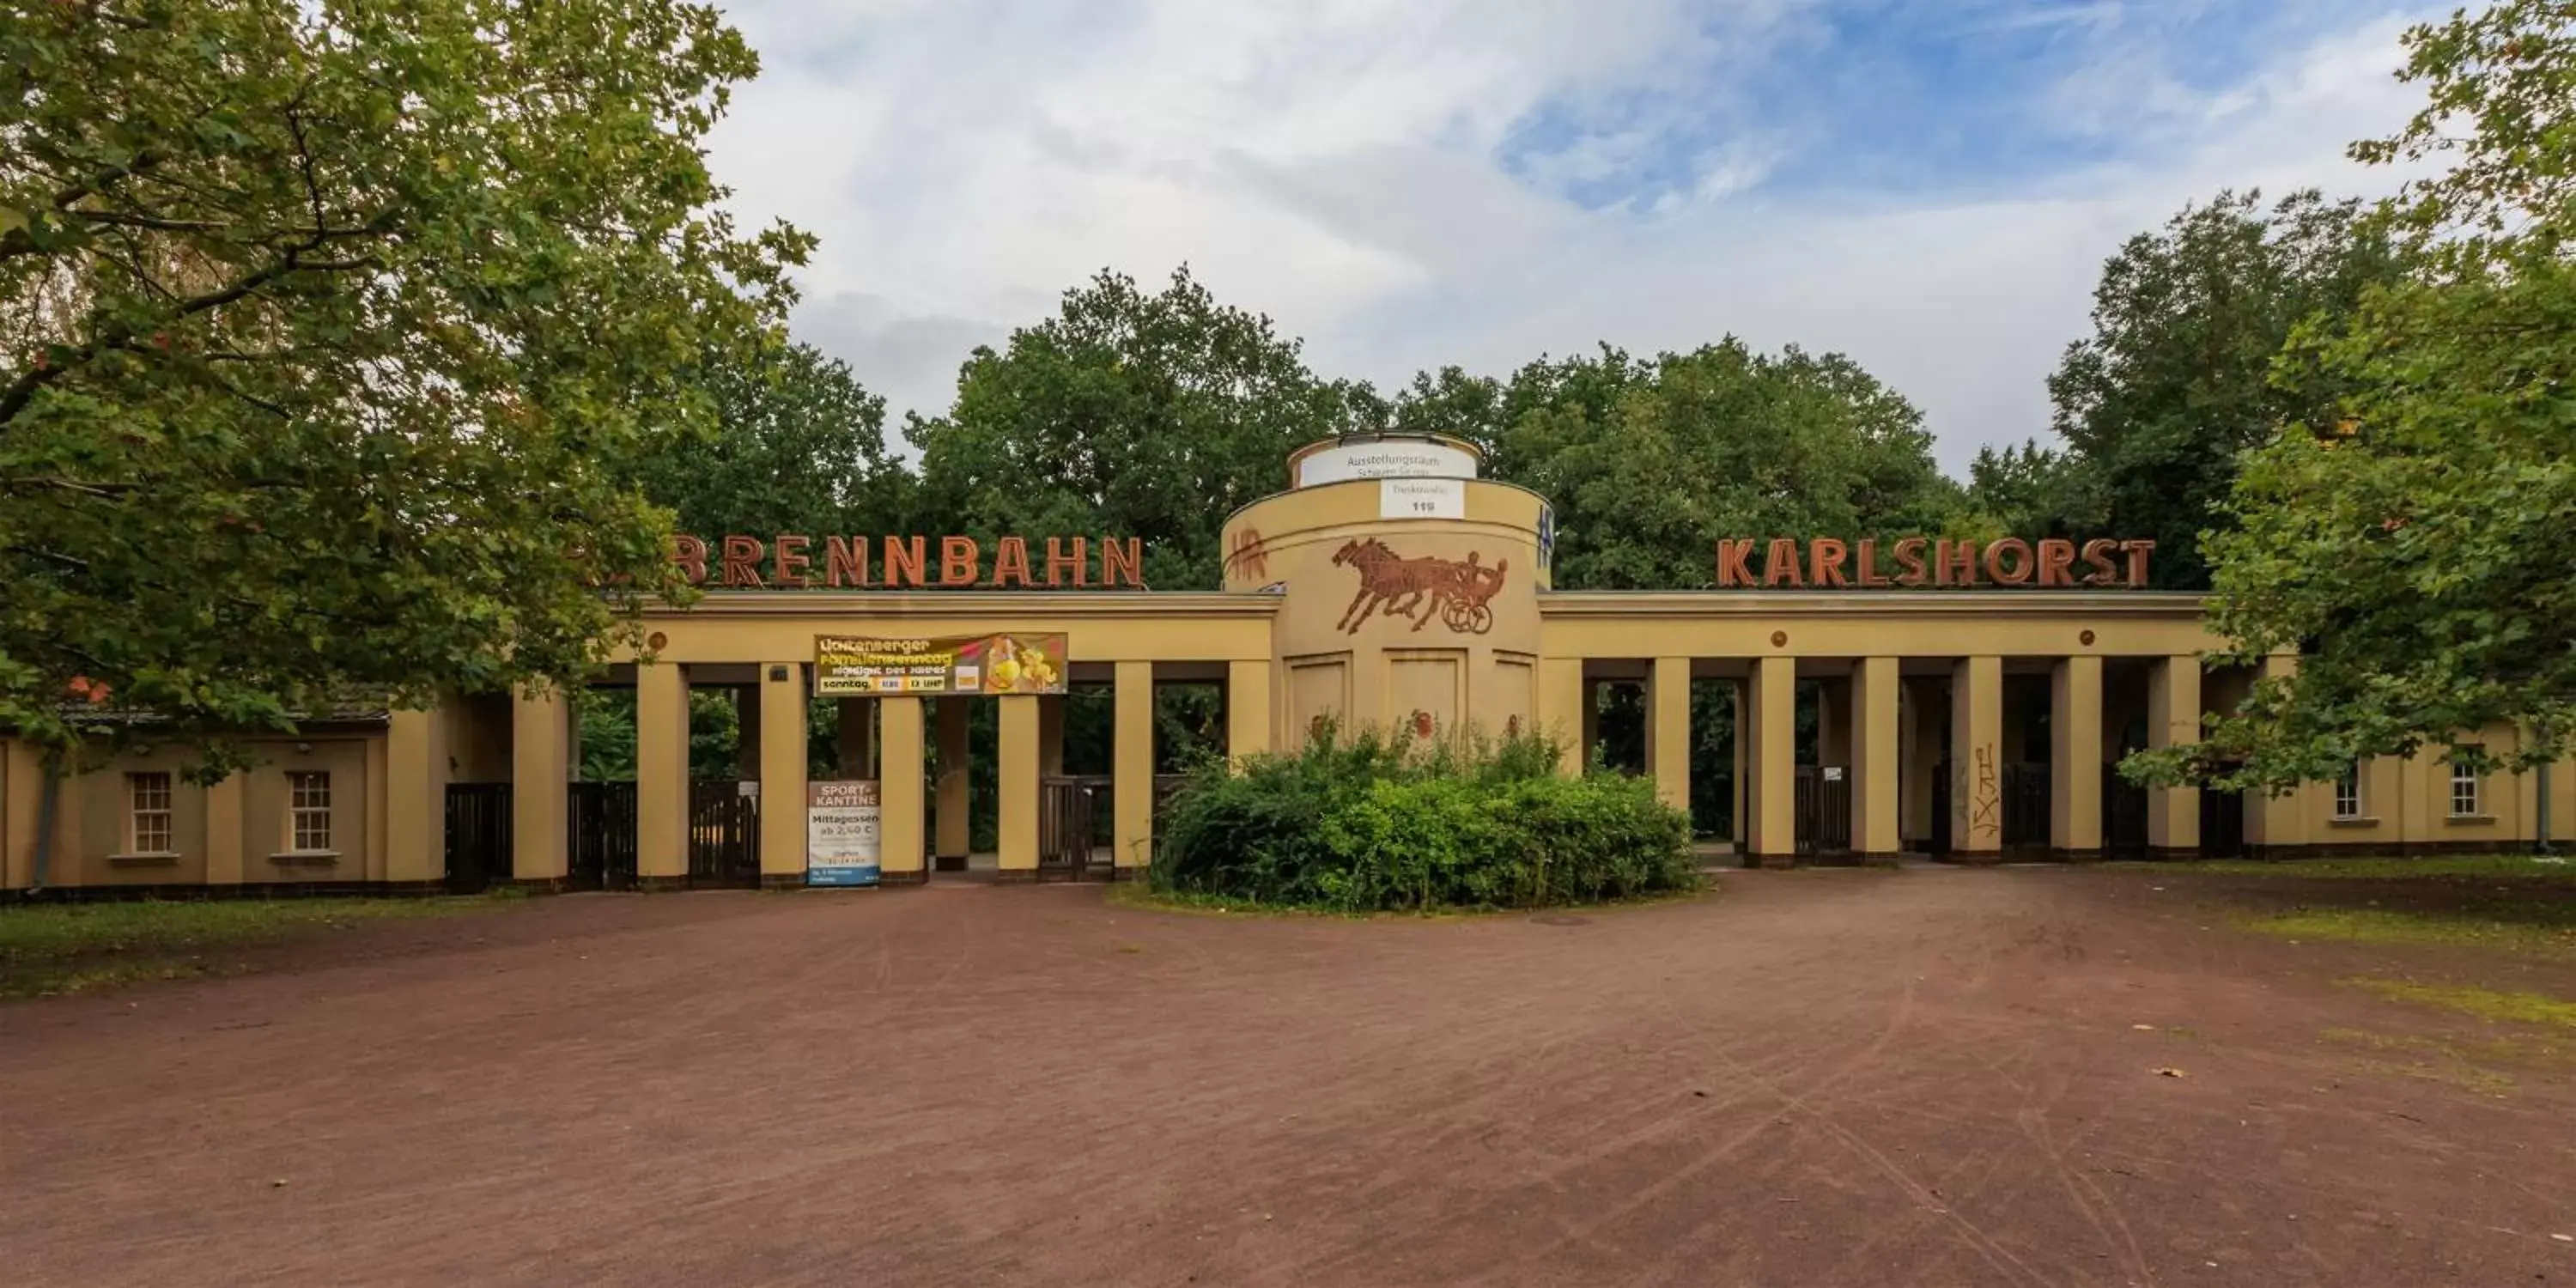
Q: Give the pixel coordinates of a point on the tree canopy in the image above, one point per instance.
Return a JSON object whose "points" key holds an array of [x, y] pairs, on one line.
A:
{"points": [[2412, 540], [325, 325]]}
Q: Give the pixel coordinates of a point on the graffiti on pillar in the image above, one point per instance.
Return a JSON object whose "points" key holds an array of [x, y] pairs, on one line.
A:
{"points": [[1250, 555], [1422, 725], [1418, 589], [1985, 799]]}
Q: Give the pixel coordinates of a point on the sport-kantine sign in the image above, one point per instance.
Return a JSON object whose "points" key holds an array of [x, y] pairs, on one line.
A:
{"points": [[1826, 562], [793, 561]]}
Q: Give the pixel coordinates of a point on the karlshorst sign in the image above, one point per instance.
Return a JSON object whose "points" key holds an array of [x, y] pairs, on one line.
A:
{"points": [[794, 561], [1829, 563]]}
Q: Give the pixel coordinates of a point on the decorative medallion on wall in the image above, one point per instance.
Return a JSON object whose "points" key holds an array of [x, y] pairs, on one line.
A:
{"points": [[2086, 637], [657, 641], [1779, 639], [1421, 723], [1419, 589]]}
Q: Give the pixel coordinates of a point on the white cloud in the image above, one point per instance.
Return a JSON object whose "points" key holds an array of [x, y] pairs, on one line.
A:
{"points": [[1336, 165]]}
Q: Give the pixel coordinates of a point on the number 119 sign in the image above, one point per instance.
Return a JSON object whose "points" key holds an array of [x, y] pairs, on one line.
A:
{"points": [[1422, 498]]}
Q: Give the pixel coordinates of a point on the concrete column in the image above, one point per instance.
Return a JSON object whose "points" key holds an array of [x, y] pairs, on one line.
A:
{"points": [[899, 778], [954, 835], [1051, 734], [661, 772], [2278, 823], [2173, 719], [1771, 834], [1921, 761], [783, 769], [854, 745], [2075, 757], [1560, 710], [1131, 829], [1019, 786], [1874, 755], [1247, 708], [1976, 757], [1668, 730], [540, 794], [224, 830], [747, 711], [416, 799]]}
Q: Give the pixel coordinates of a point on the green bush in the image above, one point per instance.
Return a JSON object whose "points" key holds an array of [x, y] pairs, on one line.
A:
{"points": [[1371, 823]]}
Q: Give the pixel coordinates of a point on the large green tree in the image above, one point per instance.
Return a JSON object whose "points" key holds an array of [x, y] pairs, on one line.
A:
{"points": [[2177, 378], [1133, 414], [797, 444], [324, 322], [2413, 541]]}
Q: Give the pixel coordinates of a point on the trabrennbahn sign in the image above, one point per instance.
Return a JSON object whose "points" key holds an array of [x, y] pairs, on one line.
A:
{"points": [[793, 561], [1826, 562]]}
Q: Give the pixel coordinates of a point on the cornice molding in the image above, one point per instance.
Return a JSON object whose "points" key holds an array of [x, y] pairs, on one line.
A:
{"points": [[900, 604], [2168, 605]]}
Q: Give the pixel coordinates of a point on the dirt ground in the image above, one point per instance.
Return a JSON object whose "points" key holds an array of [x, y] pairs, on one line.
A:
{"points": [[1929, 1076]]}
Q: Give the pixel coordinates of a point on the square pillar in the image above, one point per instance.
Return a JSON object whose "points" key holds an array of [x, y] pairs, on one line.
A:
{"points": [[540, 786], [783, 768], [1019, 786], [661, 773], [2173, 720], [1771, 833], [2075, 757], [1247, 709], [899, 784], [1131, 828], [954, 836], [1873, 759], [2278, 823], [854, 750], [1976, 757], [1560, 710], [415, 799], [1920, 763], [1668, 730]]}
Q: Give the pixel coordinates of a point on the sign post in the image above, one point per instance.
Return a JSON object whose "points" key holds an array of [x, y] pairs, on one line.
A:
{"points": [[841, 833]]}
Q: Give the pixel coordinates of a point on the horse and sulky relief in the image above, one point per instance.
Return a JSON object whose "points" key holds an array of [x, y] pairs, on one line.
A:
{"points": [[1418, 589]]}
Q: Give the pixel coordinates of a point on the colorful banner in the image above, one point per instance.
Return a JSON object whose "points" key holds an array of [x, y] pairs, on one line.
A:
{"points": [[841, 836], [853, 666]]}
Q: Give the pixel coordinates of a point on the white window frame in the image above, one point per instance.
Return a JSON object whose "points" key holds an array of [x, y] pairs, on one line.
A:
{"points": [[148, 799], [2347, 794], [2465, 786], [308, 811]]}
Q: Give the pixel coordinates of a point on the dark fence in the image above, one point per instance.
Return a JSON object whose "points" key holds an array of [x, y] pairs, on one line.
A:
{"points": [[2025, 805], [602, 846], [2222, 824], [1070, 810], [479, 830], [724, 835], [2124, 816], [1824, 809]]}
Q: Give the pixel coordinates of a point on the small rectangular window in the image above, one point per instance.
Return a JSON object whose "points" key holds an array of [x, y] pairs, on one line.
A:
{"points": [[309, 811], [2464, 791], [148, 813], [2347, 798]]}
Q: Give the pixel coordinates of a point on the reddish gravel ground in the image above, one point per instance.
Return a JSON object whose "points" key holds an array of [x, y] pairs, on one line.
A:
{"points": [[1840, 1078]]}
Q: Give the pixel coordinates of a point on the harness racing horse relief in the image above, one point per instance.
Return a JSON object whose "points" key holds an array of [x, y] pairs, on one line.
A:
{"points": [[1456, 590]]}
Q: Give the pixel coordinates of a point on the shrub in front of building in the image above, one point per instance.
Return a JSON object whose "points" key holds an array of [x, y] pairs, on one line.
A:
{"points": [[1368, 823]]}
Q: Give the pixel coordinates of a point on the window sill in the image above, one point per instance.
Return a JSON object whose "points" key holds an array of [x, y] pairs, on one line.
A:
{"points": [[2469, 820], [306, 859], [2355, 821], [144, 859]]}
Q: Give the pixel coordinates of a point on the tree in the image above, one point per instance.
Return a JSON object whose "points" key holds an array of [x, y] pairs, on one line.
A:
{"points": [[2177, 378], [797, 445], [2413, 542], [1129, 414], [323, 324]]}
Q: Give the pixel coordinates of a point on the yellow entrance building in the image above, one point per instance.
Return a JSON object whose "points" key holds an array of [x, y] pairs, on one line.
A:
{"points": [[1925, 699]]}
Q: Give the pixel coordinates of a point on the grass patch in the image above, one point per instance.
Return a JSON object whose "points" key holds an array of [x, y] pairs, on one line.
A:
{"points": [[53, 949], [2485, 1003], [2519, 925], [2524, 867]]}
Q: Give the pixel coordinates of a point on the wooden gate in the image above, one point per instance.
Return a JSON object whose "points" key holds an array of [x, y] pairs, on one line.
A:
{"points": [[1069, 812], [479, 828], [2124, 816], [602, 846], [2025, 806], [1824, 809], [724, 836]]}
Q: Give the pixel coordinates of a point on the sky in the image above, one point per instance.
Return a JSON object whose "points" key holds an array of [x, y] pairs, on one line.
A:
{"points": [[1929, 186]]}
